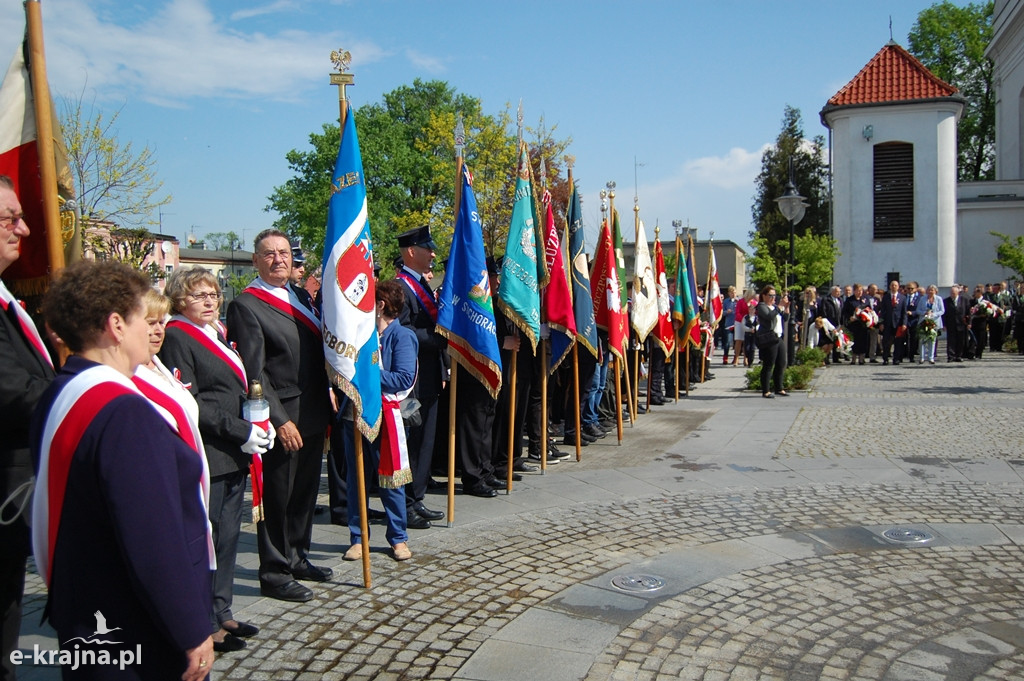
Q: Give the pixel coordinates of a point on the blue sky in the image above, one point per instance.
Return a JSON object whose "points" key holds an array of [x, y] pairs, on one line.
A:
{"points": [[683, 95]]}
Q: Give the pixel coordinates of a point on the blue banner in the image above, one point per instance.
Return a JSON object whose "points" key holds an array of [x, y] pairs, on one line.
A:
{"points": [[465, 314]]}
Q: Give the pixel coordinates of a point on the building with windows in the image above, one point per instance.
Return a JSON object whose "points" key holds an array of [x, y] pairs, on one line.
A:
{"points": [[892, 140]]}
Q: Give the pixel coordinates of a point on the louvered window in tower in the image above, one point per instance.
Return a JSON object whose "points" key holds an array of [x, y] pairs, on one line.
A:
{"points": [[894, 191]]}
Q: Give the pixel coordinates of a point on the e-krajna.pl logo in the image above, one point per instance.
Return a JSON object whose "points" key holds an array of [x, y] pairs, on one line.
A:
{"points": [[75, 655]]}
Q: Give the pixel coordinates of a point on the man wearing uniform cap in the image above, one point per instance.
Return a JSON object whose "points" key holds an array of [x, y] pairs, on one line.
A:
{"points": [[420, 314]]}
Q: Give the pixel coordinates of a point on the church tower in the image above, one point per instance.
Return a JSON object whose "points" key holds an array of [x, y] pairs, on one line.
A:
{"points": [[893, 155]]}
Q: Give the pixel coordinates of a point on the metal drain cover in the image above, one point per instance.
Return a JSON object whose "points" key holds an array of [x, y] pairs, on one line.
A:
{"points": [[637, 583], [907, 535]]}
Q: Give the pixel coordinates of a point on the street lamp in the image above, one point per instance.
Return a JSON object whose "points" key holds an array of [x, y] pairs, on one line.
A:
{"points": [[793, 208]]}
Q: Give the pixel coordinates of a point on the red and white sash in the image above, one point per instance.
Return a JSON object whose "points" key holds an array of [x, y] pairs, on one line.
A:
{"points": [[78, 403], [284, 299], [212, 343], [28, 327], [425, 296]]}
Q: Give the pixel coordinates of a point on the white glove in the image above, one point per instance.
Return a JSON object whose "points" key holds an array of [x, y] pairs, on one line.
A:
{"points": [[258, 441], [272, 435]]}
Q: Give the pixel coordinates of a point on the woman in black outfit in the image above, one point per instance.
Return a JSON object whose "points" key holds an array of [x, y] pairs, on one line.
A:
{"points": [[857, 327], [771, 324]]}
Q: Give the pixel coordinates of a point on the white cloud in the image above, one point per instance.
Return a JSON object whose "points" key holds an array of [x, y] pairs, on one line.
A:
{"points": [[426, 62], [272, 8], [736, 169], [182, 51]]}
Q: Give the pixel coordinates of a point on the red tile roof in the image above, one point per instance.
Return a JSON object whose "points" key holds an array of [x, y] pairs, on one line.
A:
{"points": [[892, 75]]}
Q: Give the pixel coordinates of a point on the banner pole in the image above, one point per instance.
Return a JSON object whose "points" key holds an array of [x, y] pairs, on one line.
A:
{"points": [[363, 523], [576, 385], [451, 443], [511, 419]]}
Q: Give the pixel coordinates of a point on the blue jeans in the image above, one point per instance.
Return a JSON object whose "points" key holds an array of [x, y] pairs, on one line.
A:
{"points": [[595, 392], [393, 499]]}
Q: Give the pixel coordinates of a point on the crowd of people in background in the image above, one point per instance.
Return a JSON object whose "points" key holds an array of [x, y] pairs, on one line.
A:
{"points": [[899, 323], [147, 413]]}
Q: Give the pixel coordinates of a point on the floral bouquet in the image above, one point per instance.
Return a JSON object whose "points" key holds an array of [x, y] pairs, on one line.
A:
{"points": [[928, 330], [843, 341], [868, 316]]}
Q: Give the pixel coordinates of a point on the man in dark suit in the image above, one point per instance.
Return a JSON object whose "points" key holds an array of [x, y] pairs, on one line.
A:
{"points": [[420, 315], [280, 341], [954, 321], [27, 370], [830, 308], [892, 315], [912, 294]]}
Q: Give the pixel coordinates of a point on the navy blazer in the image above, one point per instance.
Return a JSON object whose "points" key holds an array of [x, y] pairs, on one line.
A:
{"points": [[25, 377], [398, 362], [132, 541], [218, 391], [433, 347], [892, 316], [286, 358]]}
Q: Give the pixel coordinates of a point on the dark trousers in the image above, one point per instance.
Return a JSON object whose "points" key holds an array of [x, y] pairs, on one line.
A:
{"points": [[889, 340], [15, 543], [227, 495], [290, 485], [773, 366], [524, 379], [980, 328], [996, 333], [956, 339], [912, 342], [473, 429], [420, 441]]}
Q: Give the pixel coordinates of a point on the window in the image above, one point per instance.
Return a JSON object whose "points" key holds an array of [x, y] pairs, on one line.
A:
{"points": [[894, 191]]}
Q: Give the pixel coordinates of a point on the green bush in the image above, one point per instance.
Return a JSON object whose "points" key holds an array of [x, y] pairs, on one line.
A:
{"points": [[814, 357], [796, 377]]}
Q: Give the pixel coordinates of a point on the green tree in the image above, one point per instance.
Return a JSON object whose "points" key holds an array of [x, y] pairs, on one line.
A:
{"points": [[130, 246], [770, 236], [951, 42], [408, 154], [113, 181], [222, 241], [815, 259], [1010, 253]]}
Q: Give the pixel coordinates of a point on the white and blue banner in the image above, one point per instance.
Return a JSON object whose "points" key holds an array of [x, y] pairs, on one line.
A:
{"points": [[351, 345]]}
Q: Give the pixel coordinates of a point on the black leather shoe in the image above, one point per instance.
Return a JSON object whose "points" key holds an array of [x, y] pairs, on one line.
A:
{"points": [[230, 644], [241, 629], [522, 466], [436, 485], [570, 440], [426, 512], [374, 514], [481, 489], [594, 431], [499, 477], [414, 521], [312, 573], [290, 591], [497, 484]]}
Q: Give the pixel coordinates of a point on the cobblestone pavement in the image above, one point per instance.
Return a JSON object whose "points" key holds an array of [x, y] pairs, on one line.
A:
{"points": [[727, 537]]}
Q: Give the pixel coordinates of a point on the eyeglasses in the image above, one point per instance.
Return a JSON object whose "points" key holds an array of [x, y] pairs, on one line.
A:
{"points": [[197, 297], [11, 221], [270, 255]]}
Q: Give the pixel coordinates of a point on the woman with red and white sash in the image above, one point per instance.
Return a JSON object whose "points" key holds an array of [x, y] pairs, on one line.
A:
{"points": [[388, 455], [212, 372], [119, 529]]}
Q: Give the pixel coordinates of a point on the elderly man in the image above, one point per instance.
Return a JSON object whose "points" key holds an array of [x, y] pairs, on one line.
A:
{"points": [[279, 338], [27, 369], [954, 321], [892, 315]]}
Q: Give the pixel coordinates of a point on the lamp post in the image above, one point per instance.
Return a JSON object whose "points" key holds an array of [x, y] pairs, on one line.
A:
{"points": [[793, 208]]}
